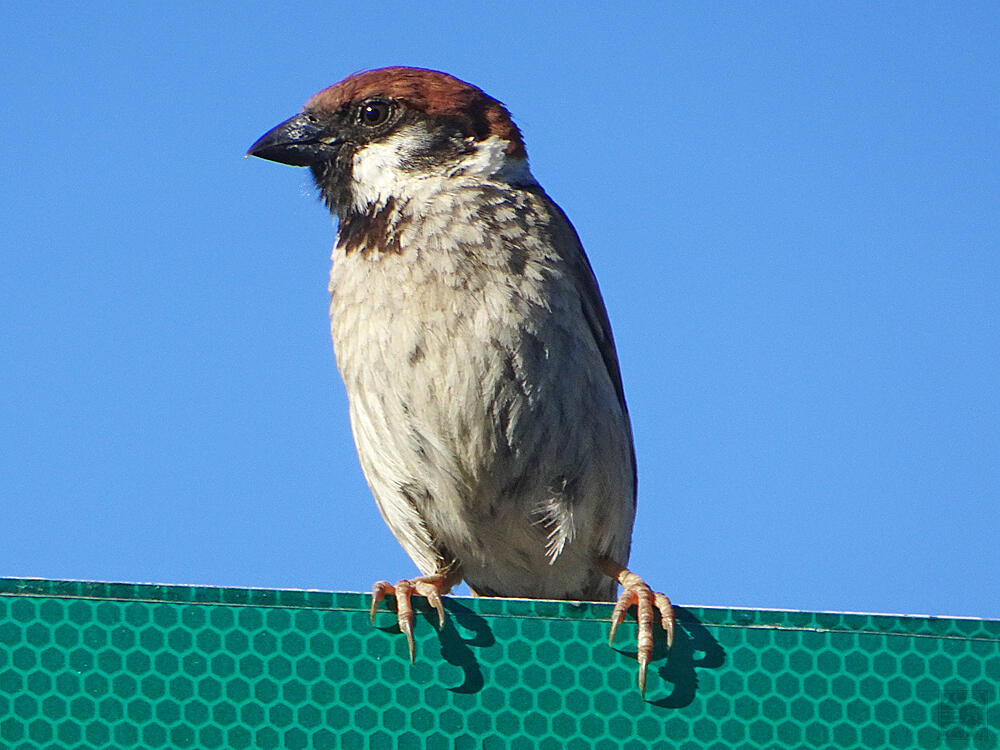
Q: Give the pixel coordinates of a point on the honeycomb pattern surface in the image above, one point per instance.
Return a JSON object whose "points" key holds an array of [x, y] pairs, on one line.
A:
{"points": [[98, 665]]}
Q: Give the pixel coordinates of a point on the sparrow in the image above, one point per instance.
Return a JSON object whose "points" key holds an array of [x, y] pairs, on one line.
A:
{"points": [[484, 389]]}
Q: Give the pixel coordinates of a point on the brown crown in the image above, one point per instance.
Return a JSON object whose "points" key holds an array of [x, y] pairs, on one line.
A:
{"points": [[431, 92]]}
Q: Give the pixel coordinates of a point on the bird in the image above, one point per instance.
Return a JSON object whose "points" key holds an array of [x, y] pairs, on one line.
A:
{"points": [[484, 388]]}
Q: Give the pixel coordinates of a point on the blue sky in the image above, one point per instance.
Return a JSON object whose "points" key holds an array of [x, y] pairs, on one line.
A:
{"points": [[792, 210]]}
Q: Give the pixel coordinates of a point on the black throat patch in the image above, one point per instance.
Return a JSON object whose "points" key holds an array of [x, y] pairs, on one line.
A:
{"points": [[375, 228]]}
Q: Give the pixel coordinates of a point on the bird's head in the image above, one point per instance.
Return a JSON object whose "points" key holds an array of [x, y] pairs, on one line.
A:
{"points": [[377, 134]]}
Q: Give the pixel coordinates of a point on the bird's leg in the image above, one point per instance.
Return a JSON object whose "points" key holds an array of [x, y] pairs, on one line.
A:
{"points": [[433, 587], [636, 591]]}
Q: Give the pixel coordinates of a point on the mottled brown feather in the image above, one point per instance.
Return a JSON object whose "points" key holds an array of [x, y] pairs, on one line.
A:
{"points": [[431, 92]]}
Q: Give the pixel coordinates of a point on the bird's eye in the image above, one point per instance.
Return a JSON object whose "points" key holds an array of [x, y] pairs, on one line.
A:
{"points": [[374, 113]]}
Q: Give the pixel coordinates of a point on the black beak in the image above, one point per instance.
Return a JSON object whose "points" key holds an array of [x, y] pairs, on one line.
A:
{"points": [[300, 141]]}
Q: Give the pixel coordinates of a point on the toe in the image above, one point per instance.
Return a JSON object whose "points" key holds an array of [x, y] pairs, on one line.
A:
{"points": [[667, 618], [432, 587], [637, 592]]}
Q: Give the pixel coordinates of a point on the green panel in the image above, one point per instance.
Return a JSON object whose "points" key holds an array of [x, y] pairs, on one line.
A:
{"points": [[96, 665]]}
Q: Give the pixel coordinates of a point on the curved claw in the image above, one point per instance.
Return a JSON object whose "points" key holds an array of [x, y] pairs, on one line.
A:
{"points": [[379, 590]]}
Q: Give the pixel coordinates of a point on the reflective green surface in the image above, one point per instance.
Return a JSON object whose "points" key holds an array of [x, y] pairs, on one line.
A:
{"points": [[94, 665]]}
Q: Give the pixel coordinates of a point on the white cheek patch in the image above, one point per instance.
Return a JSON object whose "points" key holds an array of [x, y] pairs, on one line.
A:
{"points": [[377, 171]]}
